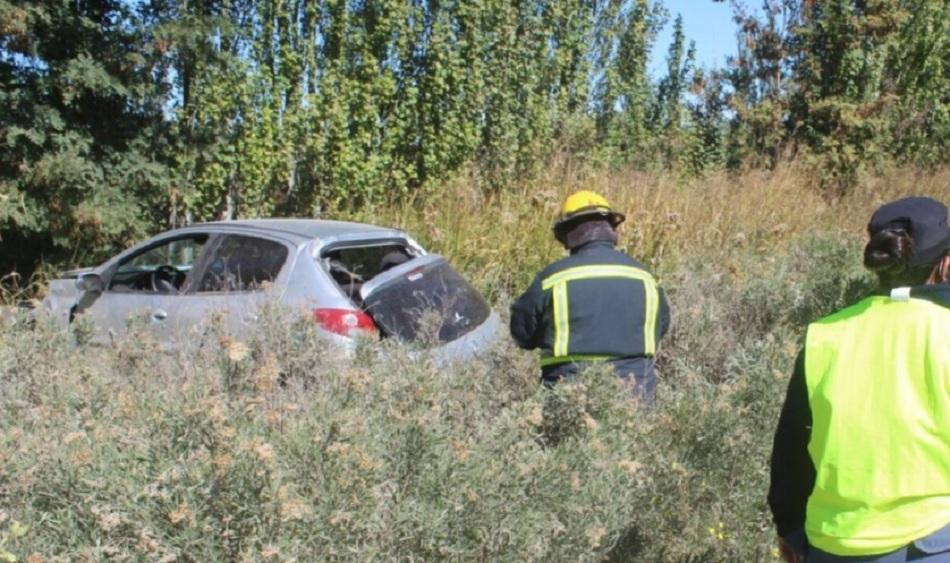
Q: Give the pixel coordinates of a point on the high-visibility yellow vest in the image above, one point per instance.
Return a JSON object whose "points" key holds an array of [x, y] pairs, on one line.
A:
{"points": [[878, 378]]}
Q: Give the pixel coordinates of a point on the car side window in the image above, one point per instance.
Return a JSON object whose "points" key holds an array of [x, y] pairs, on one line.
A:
{"points": [[242, 263], [159, 269]]}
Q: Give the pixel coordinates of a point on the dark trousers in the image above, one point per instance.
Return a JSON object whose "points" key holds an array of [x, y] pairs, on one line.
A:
{"points": [[639, 373]]}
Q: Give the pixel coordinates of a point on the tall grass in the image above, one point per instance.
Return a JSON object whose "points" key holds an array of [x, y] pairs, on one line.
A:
{"points": [[504, 238], [269, 446]]}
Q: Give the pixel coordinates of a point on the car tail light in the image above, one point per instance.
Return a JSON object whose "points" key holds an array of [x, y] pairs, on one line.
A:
{"points": [[344, 321]]}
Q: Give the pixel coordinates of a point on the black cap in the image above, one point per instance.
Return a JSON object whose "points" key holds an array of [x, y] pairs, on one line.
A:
{"points": [[924, 219]]}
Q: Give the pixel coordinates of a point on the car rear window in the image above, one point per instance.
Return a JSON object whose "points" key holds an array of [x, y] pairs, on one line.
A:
{"points": [[351, 266], [426, 299], [368, 261]]}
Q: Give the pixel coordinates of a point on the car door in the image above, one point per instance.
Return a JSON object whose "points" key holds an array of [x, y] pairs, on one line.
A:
{"points": [[143, 286], [238, 274]]}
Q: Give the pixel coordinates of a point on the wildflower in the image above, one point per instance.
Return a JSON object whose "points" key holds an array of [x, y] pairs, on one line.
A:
{"points": [[82, 456], [471, 495], [222, 462], [127, 406], [73, 436], [214, 408], [718, 532], [356, 379], [267, 374], [294, 509], [147, 543], [630, 466], [108, 521], [17, 529], [338, 448], [595, 535], [181, 514], [251, 403], [575, 480], [261, 449], [461, 450], [534, 417], [364, 460], [237, 350], [589, 422], [340, 517]]}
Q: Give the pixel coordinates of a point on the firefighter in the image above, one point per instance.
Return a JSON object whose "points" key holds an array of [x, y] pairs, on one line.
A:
{"points": [[597, 304], [860, 467]]}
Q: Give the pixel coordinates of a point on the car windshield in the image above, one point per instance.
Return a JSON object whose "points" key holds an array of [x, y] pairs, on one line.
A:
{"points": [[424, 298]]}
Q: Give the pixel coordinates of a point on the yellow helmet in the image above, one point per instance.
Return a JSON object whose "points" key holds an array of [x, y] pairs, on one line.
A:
{"points": [[584, 203]]}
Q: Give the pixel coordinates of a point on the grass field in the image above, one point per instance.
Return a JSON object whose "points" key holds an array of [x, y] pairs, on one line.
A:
{"points": [[129, 453]]}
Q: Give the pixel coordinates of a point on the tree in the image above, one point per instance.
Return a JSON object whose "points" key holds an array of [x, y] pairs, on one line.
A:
{"points": [[850, 83], [83, 164], [623, 93]]}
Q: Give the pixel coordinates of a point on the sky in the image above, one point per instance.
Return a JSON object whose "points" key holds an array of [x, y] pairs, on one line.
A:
{"points": [[707, 23]]}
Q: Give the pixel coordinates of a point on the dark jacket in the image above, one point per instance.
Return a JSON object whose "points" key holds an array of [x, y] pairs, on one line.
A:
{"points": [[597, 303], [792, 471]]}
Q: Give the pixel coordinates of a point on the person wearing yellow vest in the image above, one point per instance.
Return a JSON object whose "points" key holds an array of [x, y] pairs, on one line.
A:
{"points": [[860, 467], [595, 305]]}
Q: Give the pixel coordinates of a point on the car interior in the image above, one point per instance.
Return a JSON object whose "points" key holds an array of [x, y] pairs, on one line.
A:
{"points": [[236, 263], [160, 269], [242, 263], [351, 267]]}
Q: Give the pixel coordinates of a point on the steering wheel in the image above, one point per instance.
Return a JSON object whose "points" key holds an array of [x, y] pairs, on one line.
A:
{"points": [[165, 279]]}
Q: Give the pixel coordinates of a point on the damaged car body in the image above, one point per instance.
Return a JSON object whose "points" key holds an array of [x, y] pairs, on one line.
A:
{"points": [[352, 278]]}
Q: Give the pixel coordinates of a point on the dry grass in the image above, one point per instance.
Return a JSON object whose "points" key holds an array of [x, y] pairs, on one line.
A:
{"points": [[503, 238]]}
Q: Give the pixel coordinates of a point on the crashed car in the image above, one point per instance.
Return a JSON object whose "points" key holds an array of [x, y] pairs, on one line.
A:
{"points": [[353, 279]]}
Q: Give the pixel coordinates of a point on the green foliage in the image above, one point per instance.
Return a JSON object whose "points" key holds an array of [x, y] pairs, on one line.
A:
{"points": [[295, 108], [125, 117], [851, 84], [81, 163], [624, 95]]}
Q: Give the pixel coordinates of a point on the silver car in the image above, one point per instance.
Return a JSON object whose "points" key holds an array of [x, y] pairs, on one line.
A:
{"points": [[352, 278]]}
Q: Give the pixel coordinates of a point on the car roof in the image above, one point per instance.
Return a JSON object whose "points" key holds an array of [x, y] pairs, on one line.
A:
{"points": [[304, 228]]}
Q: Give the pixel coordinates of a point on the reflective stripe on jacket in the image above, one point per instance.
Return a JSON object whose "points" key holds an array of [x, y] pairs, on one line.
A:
{"points": [[878, 388], [596, 304]]}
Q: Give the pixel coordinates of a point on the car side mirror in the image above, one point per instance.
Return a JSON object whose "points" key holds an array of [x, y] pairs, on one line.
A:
{"points": [[90, 283]]}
